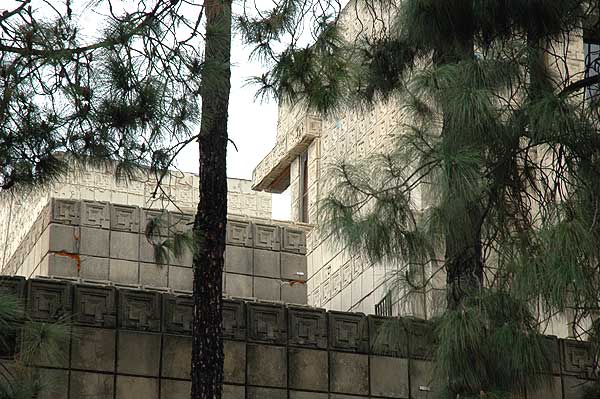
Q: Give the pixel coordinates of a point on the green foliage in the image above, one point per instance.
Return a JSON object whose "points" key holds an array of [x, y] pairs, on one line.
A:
{"points": [[168, 243]]}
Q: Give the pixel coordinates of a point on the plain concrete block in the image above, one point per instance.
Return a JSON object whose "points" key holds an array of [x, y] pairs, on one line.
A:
{"points": [[549, 389], [93, 349], [56, 384], [154, 275], [94, 242], [62, 238], [267, 263], [93, 268], [233, 392], [62, 265], [185, 259], [138, 387], [172, 389], [308, 395], [91, 385], [238, 259], [181, 278], [389, 377], [124, 245], [138, 353], [349, 373], [123, 271], [267, 365], [267, 288], [293, 266], [177, 356], [235, 362], [238, 285], [294, 293], [266, 393], [574, 387], [147, 249], [309, 369], [422, 378]]}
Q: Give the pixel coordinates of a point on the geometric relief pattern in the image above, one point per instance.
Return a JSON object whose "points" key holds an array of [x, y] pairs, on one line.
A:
{"points": [[577, 358], [266, 323], [124, 218], [95, 214], [139, 310], [293, 241], [387, 337], [267, 236], [95, 306], [234, 320], [49, 300], [348, 332], [239, 232], [421, 338], [65, 211], [307, 327], [178, 314], [14, 286]]}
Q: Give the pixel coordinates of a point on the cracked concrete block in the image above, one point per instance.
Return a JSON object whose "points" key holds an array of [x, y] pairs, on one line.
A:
{"points": [[181, 278], [154, 275], [61, 265], [308, 369], [389, 377], [235, 362], [146, 388], [94, 242], [238, 285], [124, 245], [138, 353], [61, 238], [93, 268], [238, 260], [267, 288], [177, 356], [294, 293], [267, 263], [267, 365], [123, 271], [91, 385], [349, 373], [172, 389], [93, 349], [293, 267]]}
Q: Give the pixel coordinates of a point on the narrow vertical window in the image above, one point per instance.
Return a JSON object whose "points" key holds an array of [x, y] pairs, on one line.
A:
{"points": [[303, 188], [591, 50]]}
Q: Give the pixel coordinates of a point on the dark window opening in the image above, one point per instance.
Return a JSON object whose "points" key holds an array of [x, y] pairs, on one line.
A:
{"points": [[591, 50], [304, 188]]}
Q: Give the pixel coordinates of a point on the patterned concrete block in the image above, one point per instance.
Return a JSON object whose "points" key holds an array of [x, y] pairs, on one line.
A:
{"points": [[239, 233], [95, 214], [177, 314], [124, 218], [94, 268], [235, 362], [348, 332], [95, 306], [266, 323], [239, 260], [146, 388], [94, 242], [293, 267], [93, 349], [389, 377], [146, 347], [139, 310], [49, 300], [267, 236], [238, 285], [387, 337], [308, 369], [234, 319], [267, 365], [91, 385], [307, 327], [65, 211], [181, 278], [267, 288], [173, 389], [176, 356], [123, 271], [349, 373], [154, 275], [124, 245], [294, 240]]}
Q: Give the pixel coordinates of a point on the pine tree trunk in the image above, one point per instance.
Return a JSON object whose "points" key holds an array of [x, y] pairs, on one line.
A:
{"points": [[211, 217]]}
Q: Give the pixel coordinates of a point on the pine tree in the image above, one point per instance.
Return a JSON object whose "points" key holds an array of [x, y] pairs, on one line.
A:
{"points": [[501, 140]]}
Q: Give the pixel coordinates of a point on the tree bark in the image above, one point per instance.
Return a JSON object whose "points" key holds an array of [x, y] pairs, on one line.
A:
{"points": [[211, 216]]}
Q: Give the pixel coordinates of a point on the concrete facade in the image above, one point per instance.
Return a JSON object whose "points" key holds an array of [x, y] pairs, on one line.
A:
{"points": [[131, 342]]}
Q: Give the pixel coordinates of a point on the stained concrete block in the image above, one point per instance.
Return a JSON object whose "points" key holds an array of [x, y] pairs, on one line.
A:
{"points": [[138, 353], [94, 242], [172, 389], [235, 362], [308, 395], [177, 356], [267, 288], [389, 377], [267, 263], [94, 268], [61, 238], [138, 387], [123, 271], [238, 260], [294, 293], [267, 365], [293, 267], [238, 285], [91, 385], [124, 245], [181, 278], [266, 393], [154, 275], [309, 369], [349, 373], [423, 381], [56, 382], [233, 392], [93, 349], [61, 265]]}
